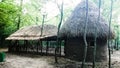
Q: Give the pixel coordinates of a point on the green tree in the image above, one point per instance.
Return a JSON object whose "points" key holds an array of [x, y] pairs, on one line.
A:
{"points": [[8, 13]]}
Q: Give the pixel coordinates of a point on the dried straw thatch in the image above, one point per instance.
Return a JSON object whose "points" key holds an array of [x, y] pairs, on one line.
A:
{"points": [[33, 33], [75, 24]]}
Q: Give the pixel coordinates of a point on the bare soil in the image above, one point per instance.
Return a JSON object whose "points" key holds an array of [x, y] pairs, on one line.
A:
{"points": [[38, 61]]}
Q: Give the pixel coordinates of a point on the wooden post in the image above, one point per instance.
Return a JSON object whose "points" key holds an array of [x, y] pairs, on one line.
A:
{"points": [[9, 46], [26, 45], [65, 46], [47, 47], [56, 61], [41, 46], [17, 45], [60, 46], [37, 47], [14, 46]]}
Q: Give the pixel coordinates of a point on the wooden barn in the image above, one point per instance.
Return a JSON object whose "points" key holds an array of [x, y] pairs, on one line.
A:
{"points": [[31, 38], [74, 28]]}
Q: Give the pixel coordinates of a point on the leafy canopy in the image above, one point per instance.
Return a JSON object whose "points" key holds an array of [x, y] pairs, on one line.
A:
{"points": [[8, 13]]}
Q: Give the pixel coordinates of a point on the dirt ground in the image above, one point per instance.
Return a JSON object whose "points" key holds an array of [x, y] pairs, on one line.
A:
{"points": [[38, 61]]}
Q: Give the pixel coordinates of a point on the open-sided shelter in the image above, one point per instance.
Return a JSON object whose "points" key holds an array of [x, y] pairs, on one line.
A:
{"points": [[37, 33]]}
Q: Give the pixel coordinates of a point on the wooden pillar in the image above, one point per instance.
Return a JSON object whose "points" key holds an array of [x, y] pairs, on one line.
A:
{"points": [[37, 47], [26, 41], [14, 46], [56, 51], [60, 46], [9, 46], [17, 46], [25, 45], [47, 47], [65, 46], [41, 46]]}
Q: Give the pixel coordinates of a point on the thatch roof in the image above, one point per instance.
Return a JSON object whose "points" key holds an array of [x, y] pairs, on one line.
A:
{"points": [[33, 33], [75, 24]]}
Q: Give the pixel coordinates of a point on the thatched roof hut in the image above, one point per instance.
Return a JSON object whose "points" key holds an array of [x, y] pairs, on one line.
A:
{"points": [[75, 24], [34, 33], [73, 30]]}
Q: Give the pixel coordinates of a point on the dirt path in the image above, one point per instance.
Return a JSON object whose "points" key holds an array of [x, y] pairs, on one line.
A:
{"points": [[15, 61], [37, 61]]}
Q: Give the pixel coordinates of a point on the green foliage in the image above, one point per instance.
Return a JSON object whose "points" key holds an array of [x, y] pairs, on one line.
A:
{"points": [[8, 13]]}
